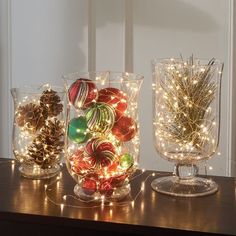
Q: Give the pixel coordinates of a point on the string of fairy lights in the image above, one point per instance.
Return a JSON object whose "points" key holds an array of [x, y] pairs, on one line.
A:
{"points": [[103, 133], [38, 127], [102, 130], [186, 113], [78, 203], [96, 203]]}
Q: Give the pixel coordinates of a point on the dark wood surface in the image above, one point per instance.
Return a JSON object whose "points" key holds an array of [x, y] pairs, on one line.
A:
{"points": [[26, 209]]}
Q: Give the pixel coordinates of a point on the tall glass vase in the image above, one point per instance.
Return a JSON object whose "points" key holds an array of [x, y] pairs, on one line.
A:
{"points": [[38, 130], [102, 138], [186, 121]]}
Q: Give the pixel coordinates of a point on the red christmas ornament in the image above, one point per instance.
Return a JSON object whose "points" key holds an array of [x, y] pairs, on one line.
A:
{"points": [[124, 128], [105, 188], [118, 115], [112, 168], [114, 97], [81, 165], [89, 184], [82, 93], [119, 180], [108, 171], [101, 151]]}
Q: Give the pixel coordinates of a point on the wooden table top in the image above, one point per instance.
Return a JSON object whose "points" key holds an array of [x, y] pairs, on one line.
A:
{"points": [[146, 213]]}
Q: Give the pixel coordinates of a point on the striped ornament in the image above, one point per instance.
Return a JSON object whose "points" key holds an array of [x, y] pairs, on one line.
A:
{"points": [[101, 150], [100, 117], [113, 97], [80, 164], [82, 93]]}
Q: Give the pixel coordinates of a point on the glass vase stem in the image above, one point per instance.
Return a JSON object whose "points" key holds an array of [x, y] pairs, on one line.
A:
{"points": [[185, 172]]}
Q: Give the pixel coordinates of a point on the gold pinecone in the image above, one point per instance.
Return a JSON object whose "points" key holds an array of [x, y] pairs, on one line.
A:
{"points": [[51, 101], [46, 147], [31, 117]]}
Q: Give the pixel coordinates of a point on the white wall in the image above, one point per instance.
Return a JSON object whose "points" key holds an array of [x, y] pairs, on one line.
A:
{"points": [[4, 82], [49, 37], [188, 27], [46, 39], [109, 34], [167, 28]]}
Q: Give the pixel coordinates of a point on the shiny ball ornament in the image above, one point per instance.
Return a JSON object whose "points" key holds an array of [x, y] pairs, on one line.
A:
{"points": [[78, 130], [101, 151], [100, 117], [80, 164], [119, 180], [118, 115], [126, 161], [111, 169], [106, 188], [74, 158], [82, 93], [113, 97], [89, 184], [124, 128]]}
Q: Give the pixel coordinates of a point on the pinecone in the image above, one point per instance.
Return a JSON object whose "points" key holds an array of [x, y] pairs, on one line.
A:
{"points": [[51, 101], [46, 147], [31, 117]]}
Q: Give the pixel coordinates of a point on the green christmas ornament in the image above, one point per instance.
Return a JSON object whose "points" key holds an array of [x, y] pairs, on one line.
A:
{"points": [[126, 160], [100, 117], [77, 130]]}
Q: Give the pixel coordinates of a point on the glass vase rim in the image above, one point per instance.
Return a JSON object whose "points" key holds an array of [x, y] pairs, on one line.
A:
{"points": [[160, 60], [37, 89], [137, 77]]}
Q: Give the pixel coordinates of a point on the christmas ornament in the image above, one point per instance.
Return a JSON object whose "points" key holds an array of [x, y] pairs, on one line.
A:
{"points": [[101, 150], [82, 93], [31, 117], [51, 102], [106, 188], [126, 161], [78, 130], [118, 180], [124, 128], [89, 184], [48, 144], [100, 117], [107, 115], [118, 115], [81, 165], [113, 97], [111, 169]]}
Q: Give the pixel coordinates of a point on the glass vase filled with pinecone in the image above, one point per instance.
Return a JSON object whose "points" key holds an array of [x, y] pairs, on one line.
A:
{"points": [[102, 138], [38, 130]]}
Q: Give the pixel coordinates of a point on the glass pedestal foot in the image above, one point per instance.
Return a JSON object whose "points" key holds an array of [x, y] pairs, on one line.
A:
{"points": [[35, 172], [194, 187]]}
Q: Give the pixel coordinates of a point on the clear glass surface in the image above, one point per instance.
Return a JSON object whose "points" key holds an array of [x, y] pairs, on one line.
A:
{"points": [[38, 130], [186, 120], [102, 138]]}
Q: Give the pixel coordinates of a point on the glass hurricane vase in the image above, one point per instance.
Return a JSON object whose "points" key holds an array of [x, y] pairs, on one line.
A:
{"points": [[38, 130], [186, 121], [102, 138]]}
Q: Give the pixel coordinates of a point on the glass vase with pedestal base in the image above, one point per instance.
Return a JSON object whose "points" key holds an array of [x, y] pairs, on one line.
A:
{"points": [[186, 121]]}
